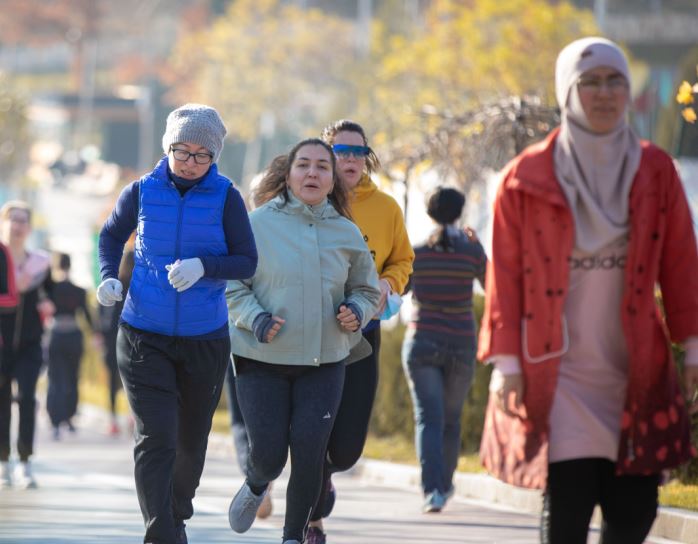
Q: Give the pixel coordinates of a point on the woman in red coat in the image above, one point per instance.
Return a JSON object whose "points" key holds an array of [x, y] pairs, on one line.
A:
{"points": [[586, 402]]}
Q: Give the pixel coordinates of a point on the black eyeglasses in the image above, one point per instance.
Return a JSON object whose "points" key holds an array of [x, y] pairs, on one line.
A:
{"points": [[183, 156]]}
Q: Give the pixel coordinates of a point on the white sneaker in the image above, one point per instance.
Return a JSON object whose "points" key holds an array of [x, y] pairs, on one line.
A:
{"points": [[25, 476], [5, 474]]}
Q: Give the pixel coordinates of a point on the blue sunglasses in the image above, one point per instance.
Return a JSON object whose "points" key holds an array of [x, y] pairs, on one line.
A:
{"points": [[345, 151]]}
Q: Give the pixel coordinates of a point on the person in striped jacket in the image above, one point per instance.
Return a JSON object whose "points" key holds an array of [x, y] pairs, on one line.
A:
{"points": [[438, 352]]}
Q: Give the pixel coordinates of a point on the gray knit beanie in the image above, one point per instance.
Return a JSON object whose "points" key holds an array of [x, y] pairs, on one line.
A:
{"points": [[196, 124]]}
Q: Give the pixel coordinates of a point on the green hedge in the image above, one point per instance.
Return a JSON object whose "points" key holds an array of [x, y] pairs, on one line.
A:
{"points": [[687, 473]]}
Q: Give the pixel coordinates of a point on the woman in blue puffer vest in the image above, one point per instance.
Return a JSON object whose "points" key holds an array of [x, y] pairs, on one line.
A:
{"points": [[192, 235]]}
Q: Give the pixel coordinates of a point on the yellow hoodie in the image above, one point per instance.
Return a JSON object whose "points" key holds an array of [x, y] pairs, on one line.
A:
{"points": [[381, 222]]}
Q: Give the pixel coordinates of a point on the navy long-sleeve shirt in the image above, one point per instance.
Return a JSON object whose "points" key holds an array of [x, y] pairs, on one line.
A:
{"points": [[239, 263]]}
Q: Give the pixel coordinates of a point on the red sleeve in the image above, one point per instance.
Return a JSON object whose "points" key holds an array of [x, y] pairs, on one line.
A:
{"points": [[501, 322], [9, 297], [678, 264]]}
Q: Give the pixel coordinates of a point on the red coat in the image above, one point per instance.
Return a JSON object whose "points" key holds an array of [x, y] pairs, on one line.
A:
{"points": [[527, 281], [9, 297]]}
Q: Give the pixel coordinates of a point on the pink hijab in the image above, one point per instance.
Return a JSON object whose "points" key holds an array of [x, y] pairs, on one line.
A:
{"points": [[595, 171]]}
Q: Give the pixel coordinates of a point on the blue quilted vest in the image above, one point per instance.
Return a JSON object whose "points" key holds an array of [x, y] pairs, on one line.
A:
{"points": [[172, 227]]}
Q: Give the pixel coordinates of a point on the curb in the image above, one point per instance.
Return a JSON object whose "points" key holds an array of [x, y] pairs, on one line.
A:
{"points": [[672, 523]]}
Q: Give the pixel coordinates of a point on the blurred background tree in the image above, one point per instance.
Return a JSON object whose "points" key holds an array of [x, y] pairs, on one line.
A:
{"points": [[270, 68], [273, 67], [14, 130]]}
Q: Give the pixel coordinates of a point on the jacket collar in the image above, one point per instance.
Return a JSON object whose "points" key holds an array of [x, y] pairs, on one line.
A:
{"points": [[160, 172], [364, 189], [294, 206], [533, 171]]}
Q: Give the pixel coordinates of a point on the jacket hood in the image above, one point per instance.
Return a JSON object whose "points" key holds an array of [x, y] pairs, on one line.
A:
{"points": [[534, 172], [364, 189]]}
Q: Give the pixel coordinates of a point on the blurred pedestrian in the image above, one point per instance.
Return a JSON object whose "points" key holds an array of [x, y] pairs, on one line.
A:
{"points": [[22, 329], [382, 225], [438, 351], [65, 345], [110, 316], [294, 323], [585, 400], [192, 234], [9, 297]]}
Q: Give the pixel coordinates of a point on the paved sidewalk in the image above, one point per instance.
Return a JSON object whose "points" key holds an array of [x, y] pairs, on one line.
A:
{"points": [[86, 495], [671, 525]]}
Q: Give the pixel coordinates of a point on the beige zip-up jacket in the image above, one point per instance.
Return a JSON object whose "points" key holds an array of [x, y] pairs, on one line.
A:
{"points": [[311, 259]]}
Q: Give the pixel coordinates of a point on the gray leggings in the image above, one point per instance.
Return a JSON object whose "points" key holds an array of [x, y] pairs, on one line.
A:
{"points": [[289, 406]]}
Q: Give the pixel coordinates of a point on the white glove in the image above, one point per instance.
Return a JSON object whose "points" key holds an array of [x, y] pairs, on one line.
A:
{"points": [[183, 274], [109, 291]]}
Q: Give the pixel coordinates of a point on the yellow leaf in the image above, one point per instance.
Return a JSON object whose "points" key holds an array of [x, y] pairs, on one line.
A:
{"points": [[685, 94], [689, 115]]}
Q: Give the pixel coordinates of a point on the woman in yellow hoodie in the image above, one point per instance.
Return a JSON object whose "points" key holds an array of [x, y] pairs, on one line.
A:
{"points": [[380, 219]]}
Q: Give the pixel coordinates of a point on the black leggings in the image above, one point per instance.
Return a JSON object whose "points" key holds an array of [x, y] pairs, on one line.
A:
{"points": [[25, 366], [288, 406], [348, 436], [237, 423], [575, 487], [64, 354]]}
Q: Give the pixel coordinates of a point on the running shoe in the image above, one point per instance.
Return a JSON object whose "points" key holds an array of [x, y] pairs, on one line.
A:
{"points": [[5, 474], [315, 536], [243, 508], [434, 502], [25, 476]]}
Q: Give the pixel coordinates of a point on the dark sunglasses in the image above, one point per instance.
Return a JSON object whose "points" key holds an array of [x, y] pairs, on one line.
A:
{"points": [[346, 151]]}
